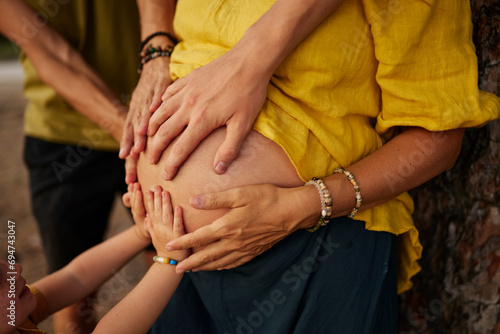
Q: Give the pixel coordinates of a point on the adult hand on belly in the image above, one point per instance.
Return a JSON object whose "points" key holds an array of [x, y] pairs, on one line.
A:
{"points": [[225, 92], [259, 217]]}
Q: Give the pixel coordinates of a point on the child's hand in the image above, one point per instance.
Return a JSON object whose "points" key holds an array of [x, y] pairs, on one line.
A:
{"points": [[163, 223], [126, 197], [137, 205]]}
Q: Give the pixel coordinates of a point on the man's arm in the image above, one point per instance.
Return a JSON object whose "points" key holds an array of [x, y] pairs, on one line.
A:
{"points": [[155, 16], [60, 66]]}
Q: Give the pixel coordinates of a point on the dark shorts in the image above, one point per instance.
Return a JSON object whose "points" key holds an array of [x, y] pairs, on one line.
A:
{"points": [[72, 191], [340, 279]]}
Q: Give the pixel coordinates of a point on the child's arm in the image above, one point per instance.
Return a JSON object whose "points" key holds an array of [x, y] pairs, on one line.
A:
{"points": [[93, 267], [137, 312]]}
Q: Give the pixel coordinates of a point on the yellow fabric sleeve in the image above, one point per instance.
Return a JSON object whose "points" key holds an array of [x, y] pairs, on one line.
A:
{"points": [[40, 313], [427, 65]]}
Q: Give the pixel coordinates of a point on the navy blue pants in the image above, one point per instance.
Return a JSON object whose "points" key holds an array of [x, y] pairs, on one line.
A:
{"points": [[72, 193], [340, 279]]}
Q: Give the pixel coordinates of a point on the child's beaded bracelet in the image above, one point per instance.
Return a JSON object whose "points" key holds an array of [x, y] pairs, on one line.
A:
{"points": [[163, 259]]}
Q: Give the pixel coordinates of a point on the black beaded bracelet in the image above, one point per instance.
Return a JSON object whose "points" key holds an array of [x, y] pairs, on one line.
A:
{"points": [[152, 52], [159, 33]]}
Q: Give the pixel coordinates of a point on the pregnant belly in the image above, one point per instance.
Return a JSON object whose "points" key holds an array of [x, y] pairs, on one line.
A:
{"points": [[260, 161]]}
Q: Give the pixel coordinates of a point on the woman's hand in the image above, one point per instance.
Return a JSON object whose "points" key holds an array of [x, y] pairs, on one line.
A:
{"points": [[259, 217], [226, 92], [155, 78], [163, 223]]}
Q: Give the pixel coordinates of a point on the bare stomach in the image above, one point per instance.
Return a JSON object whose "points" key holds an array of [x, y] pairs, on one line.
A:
{"points": [[260, 161]]}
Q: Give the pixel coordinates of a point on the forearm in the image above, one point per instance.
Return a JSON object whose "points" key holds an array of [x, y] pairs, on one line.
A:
{"points": [[405, 162], [81, 87], [156, 15], [97, 264], [280, 30], [62, 67], [137, 312], [90, 269]]}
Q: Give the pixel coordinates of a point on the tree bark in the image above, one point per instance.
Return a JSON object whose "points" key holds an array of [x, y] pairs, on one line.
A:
{"points": [[458, 216]]}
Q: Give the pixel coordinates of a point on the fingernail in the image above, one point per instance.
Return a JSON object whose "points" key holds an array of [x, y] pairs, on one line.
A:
{"points": [[195, 270], [170, 248], [150, 159], [221, 167], [165, 176], [180, 271], [122, 152], [196, 201]]}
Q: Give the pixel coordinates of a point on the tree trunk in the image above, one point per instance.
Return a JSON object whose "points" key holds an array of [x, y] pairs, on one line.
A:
{"points": [[458, 215]]}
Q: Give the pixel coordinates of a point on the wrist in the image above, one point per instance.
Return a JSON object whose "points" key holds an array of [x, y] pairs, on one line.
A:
{"points": [[343, 194], [116, 122], [142, 234], [250, 50], [178, 255], [305, 207], [160, 38], [165, 268], [308, 203], [159, 69]]}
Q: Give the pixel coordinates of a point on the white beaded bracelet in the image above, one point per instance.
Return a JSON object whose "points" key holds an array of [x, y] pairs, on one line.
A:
{"points": [[326, 203], [350, 177]]}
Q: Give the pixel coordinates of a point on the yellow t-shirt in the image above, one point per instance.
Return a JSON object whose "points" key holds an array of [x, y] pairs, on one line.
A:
{"points": [[372, 65], [107, 34], [40, 313]]}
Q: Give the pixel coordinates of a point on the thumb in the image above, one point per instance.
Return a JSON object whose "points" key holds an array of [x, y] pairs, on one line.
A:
{"points": [[126, 200], [229, 149], [223, 199]]}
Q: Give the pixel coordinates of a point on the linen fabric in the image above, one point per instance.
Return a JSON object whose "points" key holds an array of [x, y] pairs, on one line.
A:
{"points": [[370, 67]]}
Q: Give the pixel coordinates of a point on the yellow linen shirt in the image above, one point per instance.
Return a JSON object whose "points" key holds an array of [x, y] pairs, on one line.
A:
{"points": [[372, 65], [40, 312]]}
